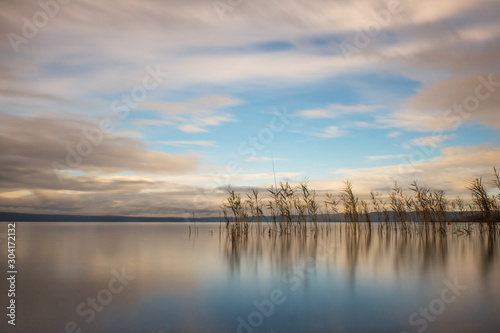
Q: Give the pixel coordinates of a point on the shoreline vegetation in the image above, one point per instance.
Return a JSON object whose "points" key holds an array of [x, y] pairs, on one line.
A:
{"points": [[288, 209]]}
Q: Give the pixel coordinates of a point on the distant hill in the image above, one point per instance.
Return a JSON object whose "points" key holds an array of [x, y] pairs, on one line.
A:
{"points": [[22, 217]]}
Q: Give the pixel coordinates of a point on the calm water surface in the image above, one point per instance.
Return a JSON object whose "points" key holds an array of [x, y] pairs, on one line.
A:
{"points": [[145, 277]]}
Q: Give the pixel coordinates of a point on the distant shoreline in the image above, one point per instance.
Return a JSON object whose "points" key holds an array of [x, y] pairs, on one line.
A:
{"points": [[25, 217]]}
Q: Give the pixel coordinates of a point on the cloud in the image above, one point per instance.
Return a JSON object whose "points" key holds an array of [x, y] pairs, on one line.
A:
{"points": [[362, 124], [194, 115], [199, 49], [130, 133], [191, 129], [153, 122], [30, 146], [188, 143], [430, 141], [336, 110], [166, 200], [447, 104], [394, 135], [384, 157], [119, 176], [330, 132], [224, 179], [265, 159], [188, 39], [451, 171]]}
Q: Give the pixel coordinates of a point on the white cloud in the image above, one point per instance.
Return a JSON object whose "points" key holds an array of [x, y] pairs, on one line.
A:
{"points": [[452, 171], [336, 110], [384, 157], [222, 178], [188, 143], [448, 103], [265, 159], [191, 129], [330, 132], [194, 115], [394, 135], [430, 141], [130, 133], [153, 122], [35, 144]]}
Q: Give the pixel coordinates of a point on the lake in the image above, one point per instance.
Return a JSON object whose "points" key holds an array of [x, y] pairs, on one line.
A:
{"points": [[180, 277]]}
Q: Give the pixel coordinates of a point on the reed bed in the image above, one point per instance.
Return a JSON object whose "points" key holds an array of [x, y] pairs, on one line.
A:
{"points": [[296, 209]]}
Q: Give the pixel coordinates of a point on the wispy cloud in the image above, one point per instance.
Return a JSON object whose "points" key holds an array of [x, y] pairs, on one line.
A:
{"points": [[154, 122], [384, 157], [452, 170], [61, 139], [430, 141], [191, 129], [265, 159], [394, 135], [330, 132], [188, 143], [336, 110], [196, 114], [131, 133]]}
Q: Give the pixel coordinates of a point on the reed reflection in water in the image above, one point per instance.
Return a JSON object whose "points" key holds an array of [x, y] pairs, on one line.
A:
{"points": [[370, 279]]}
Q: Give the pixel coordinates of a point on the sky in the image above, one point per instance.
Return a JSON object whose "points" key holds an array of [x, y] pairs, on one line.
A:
{"points": [[153, 108]]}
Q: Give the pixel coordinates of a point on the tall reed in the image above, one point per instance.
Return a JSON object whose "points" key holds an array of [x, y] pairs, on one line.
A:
{"points": [[238, 213], [377, 204], [350, 202], [256, 206], [292, 208], [398, 205]]}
